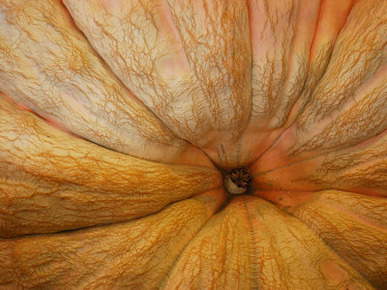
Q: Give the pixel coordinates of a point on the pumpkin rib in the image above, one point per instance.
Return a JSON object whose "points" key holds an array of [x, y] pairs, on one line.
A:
{"points": [[79, 174], [317, 69], [299, 203], [218, 242], [172, 266], [205, 102], [29, 230], [361, 240], [331, 20], [369, 79], [306, 239], [359, 46], [351, 128], [57, 65], [280, 34], [63, 260], [330, 272], [290, 120], [253, 241], [268, 148], [339, 169], [286, 154], [280, 150], [287, 149]]}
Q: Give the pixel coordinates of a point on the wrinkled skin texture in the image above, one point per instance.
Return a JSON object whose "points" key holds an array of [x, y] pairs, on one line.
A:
{"points": [[118, 120]]}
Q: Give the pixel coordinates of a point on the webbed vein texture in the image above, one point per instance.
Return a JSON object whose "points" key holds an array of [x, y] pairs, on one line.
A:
{"points": [[119, 121]]}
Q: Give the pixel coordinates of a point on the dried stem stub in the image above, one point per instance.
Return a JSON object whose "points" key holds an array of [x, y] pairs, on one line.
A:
{"points": [[237, 180]]}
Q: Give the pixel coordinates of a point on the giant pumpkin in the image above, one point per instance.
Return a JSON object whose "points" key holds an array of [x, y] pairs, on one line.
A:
{"points": [[193, 144]]}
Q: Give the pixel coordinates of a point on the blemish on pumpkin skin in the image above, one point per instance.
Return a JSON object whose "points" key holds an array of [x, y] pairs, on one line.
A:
{"points": [[333, 273]]}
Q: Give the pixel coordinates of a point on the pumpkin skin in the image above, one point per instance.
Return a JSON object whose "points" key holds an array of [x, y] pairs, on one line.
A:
{"points": [[119, 120]]}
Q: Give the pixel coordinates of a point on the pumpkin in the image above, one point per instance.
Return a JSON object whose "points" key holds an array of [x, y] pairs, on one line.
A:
{"points": [[193, 144]]}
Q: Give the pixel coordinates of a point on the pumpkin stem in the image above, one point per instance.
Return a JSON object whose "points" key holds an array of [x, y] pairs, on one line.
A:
{"points": [[237, 180]]}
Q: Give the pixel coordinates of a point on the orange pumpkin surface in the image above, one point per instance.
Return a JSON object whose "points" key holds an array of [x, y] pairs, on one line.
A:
{"points": [[193, 144]]}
